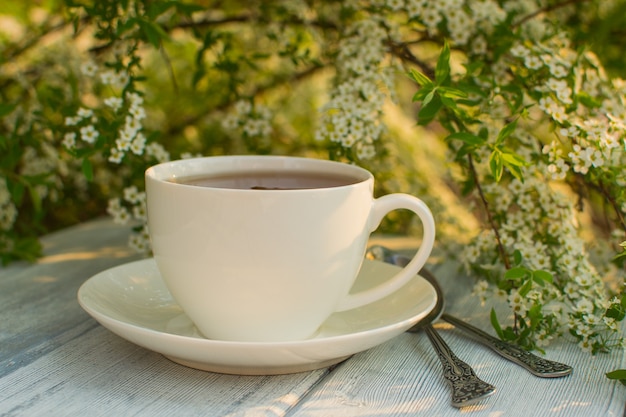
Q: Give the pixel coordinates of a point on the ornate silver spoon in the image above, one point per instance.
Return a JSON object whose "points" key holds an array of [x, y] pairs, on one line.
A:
{"points": [[536, 365], [466, 387]]}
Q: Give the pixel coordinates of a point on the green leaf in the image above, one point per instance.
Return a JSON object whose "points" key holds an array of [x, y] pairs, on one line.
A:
{"points": [[421, 94], [589, 101], [420, 78], [525, 289], [124, 26], [510, 158], [515, 96], [534, 313], [153, 32], [618, 374], [516, 172], [506, 132], [541, 277], [496, 165], [474, 67], [449, 102], [517, 257], [35, 198], [451, 92], [87, 168], [517, 272], [496, 324], [6, 108], [17, 191], [466, 137], [28, 248], [429, 97], [615, 312], [427, 113], [442, 71]]}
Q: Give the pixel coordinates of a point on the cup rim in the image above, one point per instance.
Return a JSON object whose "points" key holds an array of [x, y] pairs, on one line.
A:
{"points": [[166, 172]]}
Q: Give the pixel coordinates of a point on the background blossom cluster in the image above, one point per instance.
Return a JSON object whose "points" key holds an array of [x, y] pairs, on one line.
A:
{"points": [[531, 124]]}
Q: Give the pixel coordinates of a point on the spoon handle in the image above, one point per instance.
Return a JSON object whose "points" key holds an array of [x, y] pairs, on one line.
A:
{"points": [[534, 364], [467, 388]]}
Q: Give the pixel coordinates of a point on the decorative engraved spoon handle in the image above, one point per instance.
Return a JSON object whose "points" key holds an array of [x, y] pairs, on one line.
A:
{"points": [[537, 366], [467, 388]]}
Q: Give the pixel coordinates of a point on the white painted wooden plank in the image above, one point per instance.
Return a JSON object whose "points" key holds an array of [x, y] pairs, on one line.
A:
{"points": [[55, 360], [403, 377], [101, 374], [38, 307]]}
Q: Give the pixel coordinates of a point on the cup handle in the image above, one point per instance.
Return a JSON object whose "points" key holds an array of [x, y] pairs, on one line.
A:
{"points": [[381, 206]]}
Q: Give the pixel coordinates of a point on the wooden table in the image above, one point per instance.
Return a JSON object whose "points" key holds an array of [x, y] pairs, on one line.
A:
{"points": [[55, 360]]}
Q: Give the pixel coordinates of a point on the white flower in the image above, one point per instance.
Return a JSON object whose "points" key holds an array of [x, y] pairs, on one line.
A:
{"points": [[157, 151], [365, 151], [137, 112], [69, 140], [591, 320], [108, 77], [558, 170], [584, 305], [89, 69], [123, 143], [84, 113], [131, 194], [139, 212], [584, 279], [132, 126], [138, 144], [116, 156], [134, 98], [243, 107], [114, 102], [559, 71], [395, 5], [517, 303], [89, 134], [121, 79], [230, 122], [8, 214], [72, 121], [594, 157], [139, 242], [585, 345], [532, 62], [120, 215]]}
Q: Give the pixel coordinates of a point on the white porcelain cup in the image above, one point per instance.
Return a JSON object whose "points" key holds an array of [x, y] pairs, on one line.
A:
{"points": [[269, 265]]}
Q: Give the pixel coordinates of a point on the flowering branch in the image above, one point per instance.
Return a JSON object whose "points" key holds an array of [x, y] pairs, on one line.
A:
{"points": [[530, 117]]}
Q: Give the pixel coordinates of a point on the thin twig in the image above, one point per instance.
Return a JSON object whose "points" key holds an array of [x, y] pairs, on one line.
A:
{"points": [[170, 68], [602, 189], [492, 223], [262, 89], [402, 51], [546, 9]]}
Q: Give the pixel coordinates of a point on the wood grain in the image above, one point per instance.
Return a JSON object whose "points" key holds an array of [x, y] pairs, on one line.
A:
{"points": [[55, 360]]}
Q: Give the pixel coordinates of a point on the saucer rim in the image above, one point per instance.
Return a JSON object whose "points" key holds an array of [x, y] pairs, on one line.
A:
{"points": [[118, 326]]}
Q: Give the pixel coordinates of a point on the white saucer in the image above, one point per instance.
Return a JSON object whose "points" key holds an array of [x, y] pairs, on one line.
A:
{"points": [[132, 301]]}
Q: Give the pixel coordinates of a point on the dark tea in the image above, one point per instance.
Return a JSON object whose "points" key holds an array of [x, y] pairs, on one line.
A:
{"points": [[270, 180]]}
